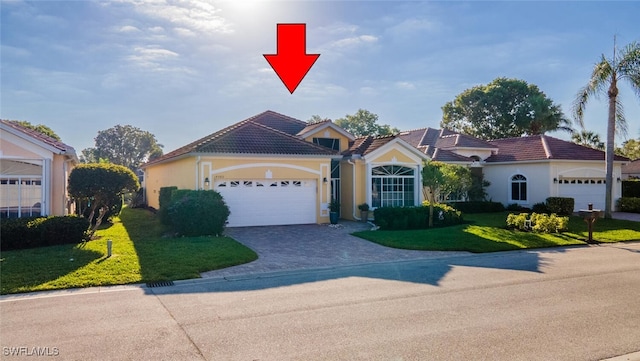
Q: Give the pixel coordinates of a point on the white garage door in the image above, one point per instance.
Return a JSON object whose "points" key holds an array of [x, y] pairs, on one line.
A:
{"points": [[583, 191], [269, 202]]}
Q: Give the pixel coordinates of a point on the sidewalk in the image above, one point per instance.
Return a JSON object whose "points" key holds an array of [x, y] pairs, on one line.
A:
{"points": [[626, 216]]}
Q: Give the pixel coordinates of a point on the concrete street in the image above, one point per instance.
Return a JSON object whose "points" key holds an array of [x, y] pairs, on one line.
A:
{"points": [[575, 303]]}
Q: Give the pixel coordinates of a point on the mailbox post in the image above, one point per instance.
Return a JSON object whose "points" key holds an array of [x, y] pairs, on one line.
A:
{"points": [[590, 216]]}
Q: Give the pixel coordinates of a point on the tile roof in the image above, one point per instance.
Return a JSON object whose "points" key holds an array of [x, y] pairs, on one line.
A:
{"points": [[254, 135], [311, 126], [443, 155], [60, 146], [368, 144], [542, 147], [457, 140]]}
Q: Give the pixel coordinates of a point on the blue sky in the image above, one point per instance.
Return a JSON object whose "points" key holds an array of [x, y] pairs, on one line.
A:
{"points": [[182, 69]]}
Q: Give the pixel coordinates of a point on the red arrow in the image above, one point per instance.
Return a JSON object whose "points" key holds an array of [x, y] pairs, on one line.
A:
{"points": [[291, 63]]}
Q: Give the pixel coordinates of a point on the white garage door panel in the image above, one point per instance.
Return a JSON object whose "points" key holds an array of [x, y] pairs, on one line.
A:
{"points": [[269, 202], [589, 191]]}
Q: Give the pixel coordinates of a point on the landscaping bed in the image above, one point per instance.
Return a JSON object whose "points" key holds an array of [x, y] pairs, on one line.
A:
{"points": [[487, 232], [141, 253]]}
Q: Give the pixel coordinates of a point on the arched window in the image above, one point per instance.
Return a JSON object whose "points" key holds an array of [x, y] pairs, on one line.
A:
{"points": [[519, 188], [392, 186]]}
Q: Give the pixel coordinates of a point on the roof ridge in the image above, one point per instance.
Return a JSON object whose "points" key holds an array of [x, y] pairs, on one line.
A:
{"points": [[285, 117], [545, 146], [58, 144]]}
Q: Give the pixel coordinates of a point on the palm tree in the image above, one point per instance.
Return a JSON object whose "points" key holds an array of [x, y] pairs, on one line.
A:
{"points": [[623, 66], [588, 139]]}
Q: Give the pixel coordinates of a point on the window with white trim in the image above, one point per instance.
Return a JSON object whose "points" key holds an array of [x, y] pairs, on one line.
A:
{"points": [[519, 188], [392, 186]]}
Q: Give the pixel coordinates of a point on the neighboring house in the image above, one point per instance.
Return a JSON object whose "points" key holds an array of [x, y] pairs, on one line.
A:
{"points": [[34, 169], [631, 170], [273, 169]]}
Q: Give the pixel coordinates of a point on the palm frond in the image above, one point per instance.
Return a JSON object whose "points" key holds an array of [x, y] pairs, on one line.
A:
{"points": [[598, 83], [621, 122]]}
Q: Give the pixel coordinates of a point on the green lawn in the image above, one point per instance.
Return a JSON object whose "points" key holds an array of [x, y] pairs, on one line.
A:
{"points": [[140, 254], [485, 232]]}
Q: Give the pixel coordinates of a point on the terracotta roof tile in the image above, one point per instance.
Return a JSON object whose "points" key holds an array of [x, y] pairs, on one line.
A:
{"points": [[542, 147], [279, 122], [443, 155], [312, 126], [62, 147], [366, 145]]}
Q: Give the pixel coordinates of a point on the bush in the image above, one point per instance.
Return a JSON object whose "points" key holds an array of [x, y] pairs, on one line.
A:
{"points": [[19, 233], [398, 218], [164, 201], [477, 206], [540, 208], [514, 207], [629, 204], [560, 205], [631, 188], [541, 223], [198, 213]]}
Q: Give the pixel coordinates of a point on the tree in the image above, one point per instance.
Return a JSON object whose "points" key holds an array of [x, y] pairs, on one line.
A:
{"points": [[630, 149], [39, 128], [504, 108], [623, 66], [439, 180], [99, 184], [588, 139], [364, 123], [316, 119], [124, 145]]}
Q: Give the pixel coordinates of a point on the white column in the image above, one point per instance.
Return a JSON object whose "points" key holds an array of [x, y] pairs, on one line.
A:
{"points": [[46, 187]]}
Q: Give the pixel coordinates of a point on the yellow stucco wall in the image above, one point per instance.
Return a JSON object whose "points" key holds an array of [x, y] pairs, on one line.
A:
{"points": [[11, 149], [182, 174], [329, 133], [393, 156], [348, 204]]}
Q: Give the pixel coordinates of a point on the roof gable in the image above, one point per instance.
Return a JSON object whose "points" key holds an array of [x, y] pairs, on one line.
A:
{"points": [[319, 126], [37, 138], [254, 135]]}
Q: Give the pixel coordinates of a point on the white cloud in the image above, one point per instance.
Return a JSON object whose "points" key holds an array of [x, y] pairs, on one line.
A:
{"points": [[406, 85], [195, 15], [127, 29], [354, 41]]}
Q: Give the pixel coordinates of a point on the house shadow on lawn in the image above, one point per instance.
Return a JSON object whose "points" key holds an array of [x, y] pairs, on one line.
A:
{"points": [[425, 271]]}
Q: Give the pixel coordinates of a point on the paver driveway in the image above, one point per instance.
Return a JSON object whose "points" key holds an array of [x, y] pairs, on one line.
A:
{"points": [[286, 248]]}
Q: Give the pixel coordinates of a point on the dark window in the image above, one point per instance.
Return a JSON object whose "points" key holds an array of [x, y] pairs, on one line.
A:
{"points": [[518, 188], [330, 143]]}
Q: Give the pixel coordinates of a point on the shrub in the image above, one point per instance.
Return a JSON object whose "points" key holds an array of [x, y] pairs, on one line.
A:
{"points": [[541, 223], [540, 208], [19, 233], [629, 204], [514, 207], [398, 218], [477, 206], [164, 200], [560, 205], [631, 188], [198, 213]]}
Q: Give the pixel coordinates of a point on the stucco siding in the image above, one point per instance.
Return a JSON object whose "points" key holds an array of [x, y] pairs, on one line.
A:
{"points": [[543, 179], [395, 156], [179, 173]]}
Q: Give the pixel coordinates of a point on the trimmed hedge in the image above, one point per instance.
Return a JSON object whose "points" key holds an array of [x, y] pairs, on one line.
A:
{"points": [[629, 204], [560, 205], [198, 213], [19, 233], [399, 218], [477, 206], [631, 188], [164, 201]]}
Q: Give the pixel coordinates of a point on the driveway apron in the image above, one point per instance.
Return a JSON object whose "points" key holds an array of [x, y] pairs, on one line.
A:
{"points": [[299, 247]]}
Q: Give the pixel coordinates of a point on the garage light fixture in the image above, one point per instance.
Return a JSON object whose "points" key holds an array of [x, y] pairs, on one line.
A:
{"points": [[206, 182]]}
